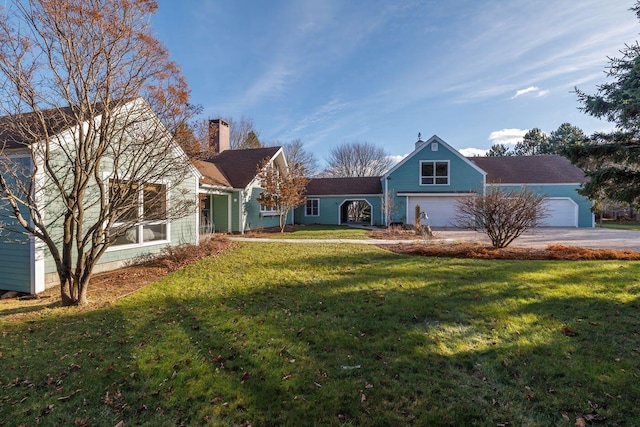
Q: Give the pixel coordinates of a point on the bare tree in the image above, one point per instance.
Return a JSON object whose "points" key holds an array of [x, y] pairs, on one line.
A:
{"points": [[295, 153], [357, 159], [91, 100], [242, 133], [283, 188], [501, 215]]}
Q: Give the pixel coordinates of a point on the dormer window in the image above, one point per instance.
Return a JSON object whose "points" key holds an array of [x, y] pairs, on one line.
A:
{"points": [[434, 172]]}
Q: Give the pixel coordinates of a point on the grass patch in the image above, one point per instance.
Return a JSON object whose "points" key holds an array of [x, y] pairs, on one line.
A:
{"points": [[312, 232], [338, 335], [620, 225]]}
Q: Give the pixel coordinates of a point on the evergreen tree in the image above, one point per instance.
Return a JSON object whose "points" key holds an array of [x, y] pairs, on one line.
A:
{"points": [[533, 143], [499, 150], [612, 160]]}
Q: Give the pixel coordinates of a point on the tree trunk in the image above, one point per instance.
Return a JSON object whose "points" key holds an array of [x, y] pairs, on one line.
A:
{"points": [[73, 292]]}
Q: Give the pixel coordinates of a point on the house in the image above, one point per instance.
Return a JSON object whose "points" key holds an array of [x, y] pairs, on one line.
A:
{"points": [[229, 187], [330, 200], [435, 176], [26, 264]]}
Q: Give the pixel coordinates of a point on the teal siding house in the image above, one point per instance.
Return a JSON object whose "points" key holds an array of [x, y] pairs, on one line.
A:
{"points": [[434, 177]]}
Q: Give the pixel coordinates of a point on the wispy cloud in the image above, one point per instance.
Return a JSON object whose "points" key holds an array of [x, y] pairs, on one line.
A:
{"points": [[397, 158], [526, 91], [507, 136]]}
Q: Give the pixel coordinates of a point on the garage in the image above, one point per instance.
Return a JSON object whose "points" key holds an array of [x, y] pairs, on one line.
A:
{"points": [[561, 212], [440, 209]]}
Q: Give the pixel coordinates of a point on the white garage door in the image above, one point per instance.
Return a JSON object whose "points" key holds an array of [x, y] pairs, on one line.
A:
{"points": [[560, 213], [441, 210]]}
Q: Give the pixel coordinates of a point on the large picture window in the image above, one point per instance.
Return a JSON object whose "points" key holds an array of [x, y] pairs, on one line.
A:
{"points": [[142, 212], [434, 172], [312, 207]]}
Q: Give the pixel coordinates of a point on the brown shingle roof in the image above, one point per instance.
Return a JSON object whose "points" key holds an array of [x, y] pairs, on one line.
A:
{"points": [[211, 175], [529, 170], [239, 167], [344, 186]]}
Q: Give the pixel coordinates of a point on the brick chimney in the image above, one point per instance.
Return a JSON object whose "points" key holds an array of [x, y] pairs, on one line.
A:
{"points": [[219, 135]]}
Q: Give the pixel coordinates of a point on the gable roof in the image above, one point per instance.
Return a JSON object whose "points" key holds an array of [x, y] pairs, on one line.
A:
{"points": [[344, 186], [21, 130], [421, 145], [211, 175], [548, 169], [237, 167]]}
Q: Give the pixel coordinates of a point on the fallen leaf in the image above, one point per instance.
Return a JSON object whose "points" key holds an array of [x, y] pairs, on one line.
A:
{"points": [[580, 422], [568, 332]]}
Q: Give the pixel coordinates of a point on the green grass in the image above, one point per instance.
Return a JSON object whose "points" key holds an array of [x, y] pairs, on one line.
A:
{"points": [[321, 232], [620, 226], [338, 335]]}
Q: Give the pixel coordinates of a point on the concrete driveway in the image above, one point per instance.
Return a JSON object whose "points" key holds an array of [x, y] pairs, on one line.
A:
{"points": [[595, 238]]}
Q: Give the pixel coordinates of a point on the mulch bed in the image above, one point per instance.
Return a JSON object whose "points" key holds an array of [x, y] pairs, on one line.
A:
{"points": [[551, 252]]}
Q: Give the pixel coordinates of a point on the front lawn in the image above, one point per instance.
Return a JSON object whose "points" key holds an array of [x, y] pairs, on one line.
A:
{"points": [[338, 335], [313, 232]]}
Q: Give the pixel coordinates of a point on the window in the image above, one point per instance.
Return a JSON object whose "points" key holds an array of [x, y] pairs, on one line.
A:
{"points": [[434, 173], [142, 211], [268, 211], [312, 207]]}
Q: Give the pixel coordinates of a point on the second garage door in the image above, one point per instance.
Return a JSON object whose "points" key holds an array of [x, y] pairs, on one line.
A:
{"points": [[562, 212], [441, 210]]}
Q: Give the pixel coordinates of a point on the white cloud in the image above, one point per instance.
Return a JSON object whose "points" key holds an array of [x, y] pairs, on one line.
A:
{"points": [[531, 89], [525, 91], [507, 136], [397, 158], [473, 152]]}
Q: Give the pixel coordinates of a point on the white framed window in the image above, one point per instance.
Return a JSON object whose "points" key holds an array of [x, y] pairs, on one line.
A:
{"points": [[268, 211], [146, 206], [434, 172], [312, 207]]}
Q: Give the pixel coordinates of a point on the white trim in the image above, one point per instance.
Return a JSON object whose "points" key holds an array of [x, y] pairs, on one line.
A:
{"points": [[314, 196], [196, 213], [167, 222], [435, 177], [240, 212], [529, 184], [436, 194]]}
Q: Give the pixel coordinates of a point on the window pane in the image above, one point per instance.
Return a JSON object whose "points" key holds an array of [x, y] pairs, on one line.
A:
{"points": [[155, 201], [129, 237], [427, 169], [154, 232], [123, 196], [442, 180], [442, 169], [427, 180]]}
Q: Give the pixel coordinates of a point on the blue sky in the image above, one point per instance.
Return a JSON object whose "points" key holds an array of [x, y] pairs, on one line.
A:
{"points": [[332, 71]]}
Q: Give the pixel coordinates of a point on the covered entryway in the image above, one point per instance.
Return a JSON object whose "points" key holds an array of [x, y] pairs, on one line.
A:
{"points": [[215, 213], [561, 212], [357, 211], [441, 210]]}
